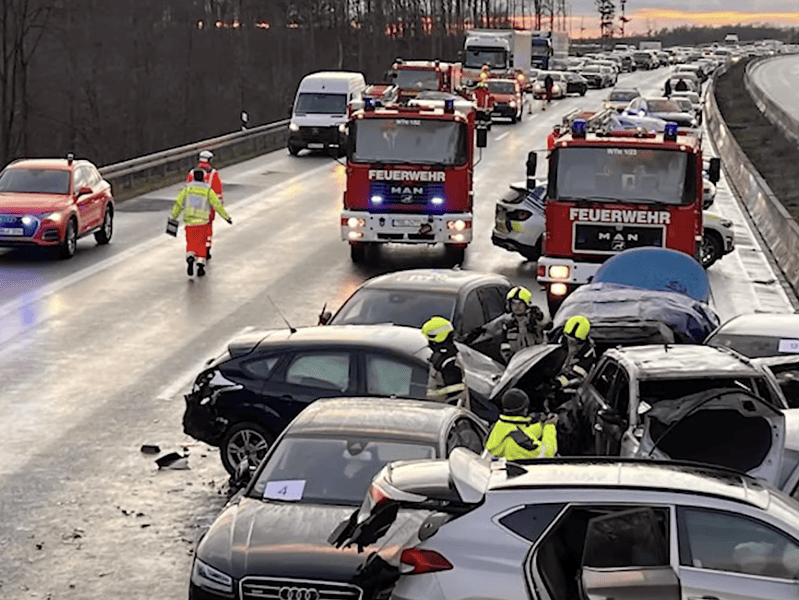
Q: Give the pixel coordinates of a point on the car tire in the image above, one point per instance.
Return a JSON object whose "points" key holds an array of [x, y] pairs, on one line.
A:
{"points": [[245, 440], [293, 150], [455, 255], [521, 112], [357, 253], [103, 236], [712, 248], [69, 245], [583, 91], [513, 119]]}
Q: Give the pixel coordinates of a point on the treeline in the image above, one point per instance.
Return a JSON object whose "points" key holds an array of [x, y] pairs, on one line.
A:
{"points": [[701, 36], [111, 80]]}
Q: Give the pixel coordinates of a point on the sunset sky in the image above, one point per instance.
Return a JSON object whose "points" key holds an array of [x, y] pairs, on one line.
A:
{"points": [[650, 14]]}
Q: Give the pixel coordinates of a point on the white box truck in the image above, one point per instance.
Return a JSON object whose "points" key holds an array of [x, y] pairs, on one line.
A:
{"points": [[505, 51]]}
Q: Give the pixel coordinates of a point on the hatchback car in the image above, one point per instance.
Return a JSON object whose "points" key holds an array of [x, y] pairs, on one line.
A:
{"points": [[506, 97], [52, 203], [585, 529], [469, 299], [270, 539], [242, 400]]}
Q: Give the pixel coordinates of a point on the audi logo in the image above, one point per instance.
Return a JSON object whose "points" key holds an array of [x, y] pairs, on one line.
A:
{"points": [[298, 593]]}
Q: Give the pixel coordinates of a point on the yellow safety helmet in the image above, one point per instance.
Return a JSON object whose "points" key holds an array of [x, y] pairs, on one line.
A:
{"points": [[519, 293], [577, 327], [437, 329]]}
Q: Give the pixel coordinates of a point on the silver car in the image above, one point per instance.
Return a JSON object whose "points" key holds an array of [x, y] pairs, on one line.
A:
{"points": [[585, 530]]}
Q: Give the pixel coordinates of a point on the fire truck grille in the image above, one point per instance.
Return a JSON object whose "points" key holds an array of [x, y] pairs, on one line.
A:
{"points": [[601, 238], [408, 195]]}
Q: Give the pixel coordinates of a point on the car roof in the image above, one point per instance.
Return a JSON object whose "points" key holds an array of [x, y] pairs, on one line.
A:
{"points": [[762, 324], [432, 280], [58, 164], [641, 474], [418, 420], [656, 361], [407, 339]]}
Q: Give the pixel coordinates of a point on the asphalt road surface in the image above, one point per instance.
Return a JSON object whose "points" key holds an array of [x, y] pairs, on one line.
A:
{"points": [[777, 77], [96, 352]]}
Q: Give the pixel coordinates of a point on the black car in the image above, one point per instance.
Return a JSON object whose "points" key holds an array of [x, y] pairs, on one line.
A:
{"points": [[271, 540], [469, 299], [576, 84], [244, 399]]}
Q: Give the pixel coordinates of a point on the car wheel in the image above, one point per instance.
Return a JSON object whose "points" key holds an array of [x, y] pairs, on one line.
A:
{"points": [[513, 119], [712, 248], [521, 112], [582, 92], [293, 150], [455, 254], [103, 236], [357, 253], [245, 440], [69, 246]]}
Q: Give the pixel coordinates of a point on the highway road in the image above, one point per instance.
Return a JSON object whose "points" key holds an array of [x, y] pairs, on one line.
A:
{"points": [[777, 77], [96, 352]]}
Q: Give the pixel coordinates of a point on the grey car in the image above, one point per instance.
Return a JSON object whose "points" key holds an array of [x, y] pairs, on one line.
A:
{"points": [[585, 529]]}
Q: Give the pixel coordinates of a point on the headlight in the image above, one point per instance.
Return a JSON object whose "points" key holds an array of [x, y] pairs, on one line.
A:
{"points": [[512, 104], [556, 89], [353, 223], [558, 289], [28, 220], [206, 576], [458, 225], [559, 272], [341, 128], [52, 216], [293, 126]]}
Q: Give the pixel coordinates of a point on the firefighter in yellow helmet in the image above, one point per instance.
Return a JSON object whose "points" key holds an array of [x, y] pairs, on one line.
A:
{"points": [[520, 326], [517, 435], [580, 352], [446, 381]]}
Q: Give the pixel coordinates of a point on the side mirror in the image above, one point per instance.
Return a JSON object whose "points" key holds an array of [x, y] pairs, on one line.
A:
{"points": [[324, 317], [482, 137], [241, 477], [83, 190], [714, 170]]}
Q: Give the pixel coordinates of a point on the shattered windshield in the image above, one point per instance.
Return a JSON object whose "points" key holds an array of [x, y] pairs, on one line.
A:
{"points": [[636, 175], [416, 141], [329, 470], [476, 57], [416, 80]]}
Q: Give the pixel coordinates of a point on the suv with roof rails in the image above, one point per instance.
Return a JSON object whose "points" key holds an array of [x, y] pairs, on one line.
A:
{"points": [[566, 529]]}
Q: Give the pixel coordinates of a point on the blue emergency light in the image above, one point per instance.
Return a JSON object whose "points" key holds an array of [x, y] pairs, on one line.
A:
{"points": [[579, 127], [670, 131], [369, 103], [449, 105]]}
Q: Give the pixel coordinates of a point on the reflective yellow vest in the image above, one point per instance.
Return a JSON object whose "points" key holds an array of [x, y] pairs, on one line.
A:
{"points": [[515, 438], [197, 199]]}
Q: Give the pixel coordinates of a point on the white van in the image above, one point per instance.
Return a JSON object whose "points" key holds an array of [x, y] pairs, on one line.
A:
{"points": [[319, 117]]}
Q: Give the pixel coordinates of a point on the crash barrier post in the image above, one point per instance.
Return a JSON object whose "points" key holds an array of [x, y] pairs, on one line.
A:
{"points": [[146, 173], [775, 225]]}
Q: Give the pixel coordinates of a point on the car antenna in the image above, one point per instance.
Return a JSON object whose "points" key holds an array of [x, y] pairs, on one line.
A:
{"points": [[291, 329]]}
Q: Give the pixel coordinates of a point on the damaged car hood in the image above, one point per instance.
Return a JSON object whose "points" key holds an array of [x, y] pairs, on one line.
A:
{"points": [[725, 427]]}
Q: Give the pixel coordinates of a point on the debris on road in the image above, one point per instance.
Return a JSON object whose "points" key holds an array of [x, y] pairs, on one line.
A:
{"points": [[150, 449], [173, 460]]}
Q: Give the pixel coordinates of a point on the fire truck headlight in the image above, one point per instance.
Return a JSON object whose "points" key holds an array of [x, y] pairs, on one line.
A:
{"points": [[458, 225], [293, 126], [558, 289], [355, 235], [458, 237], [377, 199], [437, 201], [354, 223], [559, 272]]}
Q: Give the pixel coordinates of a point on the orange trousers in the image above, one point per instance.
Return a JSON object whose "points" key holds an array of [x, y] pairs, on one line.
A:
{"points": [[196, 236]]}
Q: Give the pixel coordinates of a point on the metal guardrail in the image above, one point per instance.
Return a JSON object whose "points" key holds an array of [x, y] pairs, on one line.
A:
{"points": [[766, 104], [775, 225], [143, 174]]}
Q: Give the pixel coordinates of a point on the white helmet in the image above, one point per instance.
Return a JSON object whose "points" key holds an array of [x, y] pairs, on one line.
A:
{"points": [[206, 155]]}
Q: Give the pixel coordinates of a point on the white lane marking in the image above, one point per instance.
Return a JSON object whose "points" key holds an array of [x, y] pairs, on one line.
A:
{"points": [[187, 377], [496, 139], [40, 293]]}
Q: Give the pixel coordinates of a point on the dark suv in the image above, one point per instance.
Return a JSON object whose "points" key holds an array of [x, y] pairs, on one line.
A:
{"points": [[244, 399]]}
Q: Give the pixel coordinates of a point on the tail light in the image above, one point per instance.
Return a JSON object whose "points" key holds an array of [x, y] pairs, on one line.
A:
{"points": [[415, 561]]}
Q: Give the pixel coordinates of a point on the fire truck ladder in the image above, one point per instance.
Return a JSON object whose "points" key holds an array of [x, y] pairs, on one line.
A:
{"points": [[594, 120]]}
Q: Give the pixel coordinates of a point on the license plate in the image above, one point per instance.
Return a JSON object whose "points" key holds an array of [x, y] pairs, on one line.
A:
{"points": [[406, 222], [316, 145], [11, 231]]}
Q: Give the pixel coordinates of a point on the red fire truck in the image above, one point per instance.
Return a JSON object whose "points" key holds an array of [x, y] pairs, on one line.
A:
{"points": [[414, 76], [613, 190], [409, 174]]}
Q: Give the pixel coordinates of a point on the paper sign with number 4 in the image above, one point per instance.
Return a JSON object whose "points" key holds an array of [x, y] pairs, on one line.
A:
{"points": [[290, 489]]}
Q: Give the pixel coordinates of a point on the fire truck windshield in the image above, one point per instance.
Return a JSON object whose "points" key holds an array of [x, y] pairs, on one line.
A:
{"points": [[634, 175], [476, 57], [416, 79], [410, 141]]}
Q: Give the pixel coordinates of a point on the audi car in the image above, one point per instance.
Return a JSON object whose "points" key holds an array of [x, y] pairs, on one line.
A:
{"points": [[270, 541], [506, 97], [50, 203]]}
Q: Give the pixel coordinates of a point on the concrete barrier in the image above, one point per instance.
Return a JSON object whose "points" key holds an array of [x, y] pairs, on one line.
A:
{"points": [[776, 226], [770, 109]]}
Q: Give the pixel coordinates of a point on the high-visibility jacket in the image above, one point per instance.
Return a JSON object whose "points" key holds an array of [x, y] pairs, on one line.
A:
{"points": [[515, 438], [446, 380], [211, 177], [513, 332], [195, 202]]}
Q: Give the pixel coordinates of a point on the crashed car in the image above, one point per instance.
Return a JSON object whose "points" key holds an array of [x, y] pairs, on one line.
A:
{"points": [[644, 295], [582, 529], [759, 334]]}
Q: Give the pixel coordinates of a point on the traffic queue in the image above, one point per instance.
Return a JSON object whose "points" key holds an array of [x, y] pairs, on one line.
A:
{"points": [[442, 436]]}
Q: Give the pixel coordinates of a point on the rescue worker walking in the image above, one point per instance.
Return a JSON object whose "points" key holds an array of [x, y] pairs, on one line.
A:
{"points": [[195, 201], [520, 326], [212, 178], [518, 436], [446, 381], [548, 85]]}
